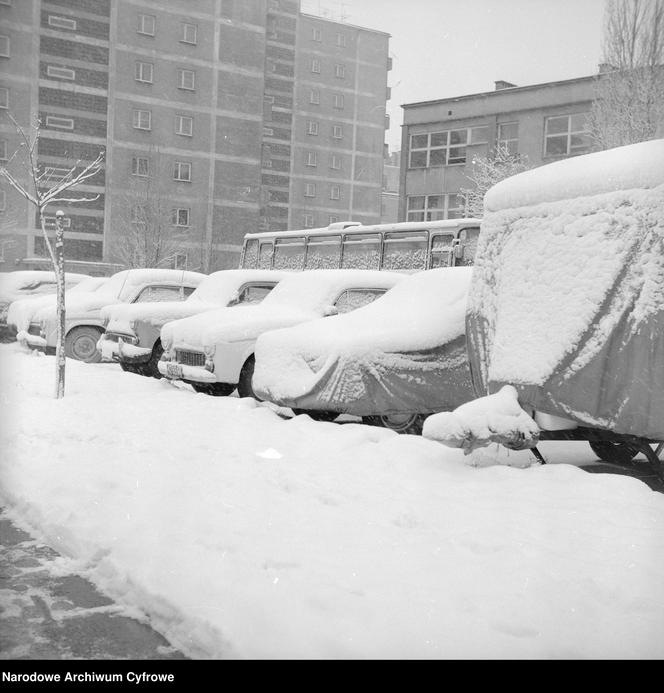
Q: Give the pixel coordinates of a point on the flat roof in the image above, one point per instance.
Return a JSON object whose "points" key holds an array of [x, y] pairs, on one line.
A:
{"points": [[338, 23], [493, 92]]}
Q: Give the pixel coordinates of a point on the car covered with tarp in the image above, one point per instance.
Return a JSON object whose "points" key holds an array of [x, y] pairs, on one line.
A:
{"points": [[566, 306], [392, 362]]}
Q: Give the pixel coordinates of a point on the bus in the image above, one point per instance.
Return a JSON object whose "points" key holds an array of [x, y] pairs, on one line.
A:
{"points": [[399, 247]]}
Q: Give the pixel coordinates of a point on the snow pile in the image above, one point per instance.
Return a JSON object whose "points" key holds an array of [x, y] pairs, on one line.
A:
{"points": [[351, 362], [243, 534], [298, 298], [493, 419]]}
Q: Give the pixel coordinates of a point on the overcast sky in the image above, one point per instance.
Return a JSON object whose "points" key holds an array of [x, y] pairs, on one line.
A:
{"points": [[447, 48]]}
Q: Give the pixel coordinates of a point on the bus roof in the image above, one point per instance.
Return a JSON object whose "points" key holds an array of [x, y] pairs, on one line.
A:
{"points": [[361, 228]]}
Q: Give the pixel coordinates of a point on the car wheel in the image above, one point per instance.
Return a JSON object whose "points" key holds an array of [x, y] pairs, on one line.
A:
{"points": [[614, 452], [317, 414], [81, 344], [244, 388], [214, 389], [401, 423], [151, 368]]}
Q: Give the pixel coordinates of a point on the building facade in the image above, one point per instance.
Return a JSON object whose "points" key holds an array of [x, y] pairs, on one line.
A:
{"points": [[203, 110], [540, 123]]}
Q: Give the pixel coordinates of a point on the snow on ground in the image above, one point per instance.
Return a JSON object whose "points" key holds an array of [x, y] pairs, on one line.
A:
{"points": [[243, 534]]}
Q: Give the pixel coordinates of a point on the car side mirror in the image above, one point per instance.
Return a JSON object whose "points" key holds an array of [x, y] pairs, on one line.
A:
{"points": [[458, 250]]}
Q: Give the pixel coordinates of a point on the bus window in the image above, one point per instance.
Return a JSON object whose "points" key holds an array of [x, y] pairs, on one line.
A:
{"points": [[250, 258], [289, 253], [405, 250], [361, 251], [265, 255], [441, 251], [323, 252], [468, 239]]}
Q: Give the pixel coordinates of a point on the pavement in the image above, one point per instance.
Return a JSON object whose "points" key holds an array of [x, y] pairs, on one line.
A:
{"points": [[47, 613]]}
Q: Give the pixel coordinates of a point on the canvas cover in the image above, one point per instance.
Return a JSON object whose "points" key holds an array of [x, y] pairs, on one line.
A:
{"points": [[567, 299]]}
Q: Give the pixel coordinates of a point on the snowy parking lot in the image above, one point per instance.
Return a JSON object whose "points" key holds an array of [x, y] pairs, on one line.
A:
{"points": [[244, 533]]}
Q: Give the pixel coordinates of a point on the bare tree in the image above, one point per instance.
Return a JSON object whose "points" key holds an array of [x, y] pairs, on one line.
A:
{"points": [[486, 172], [37, 184], [629, 101]]}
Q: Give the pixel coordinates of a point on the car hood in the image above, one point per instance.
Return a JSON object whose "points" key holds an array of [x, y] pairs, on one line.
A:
{"points": [[21, 312], [79, 306], [120, 315], [234, 324]]}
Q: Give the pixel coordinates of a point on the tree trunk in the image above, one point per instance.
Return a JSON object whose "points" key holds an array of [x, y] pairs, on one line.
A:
{"points": [[60, 275]]}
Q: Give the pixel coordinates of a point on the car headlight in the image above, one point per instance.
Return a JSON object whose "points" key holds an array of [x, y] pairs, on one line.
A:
{"points": [[132, 324], [209, 349]]}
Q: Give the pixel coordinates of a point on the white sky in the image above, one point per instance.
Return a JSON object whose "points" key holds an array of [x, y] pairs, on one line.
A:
{"points": [[445, 48]]}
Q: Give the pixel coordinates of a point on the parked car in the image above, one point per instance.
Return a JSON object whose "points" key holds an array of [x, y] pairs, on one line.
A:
{"points": [[20, 313], [214, 351], [84, 325], [132, 331], [392, 362], [565, 317], [24, 283]]}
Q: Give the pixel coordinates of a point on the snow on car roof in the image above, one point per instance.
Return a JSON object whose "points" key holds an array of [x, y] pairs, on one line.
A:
{"points": [[622, 168], [220, 286], [122, 282], [11, 282]]}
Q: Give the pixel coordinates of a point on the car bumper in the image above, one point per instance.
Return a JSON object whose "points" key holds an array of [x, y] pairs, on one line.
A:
{"points": [[32, 341], [179, 371], [120, 351]]}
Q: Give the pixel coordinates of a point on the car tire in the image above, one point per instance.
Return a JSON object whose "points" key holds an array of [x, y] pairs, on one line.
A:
{"points": [[213, 389], [244, 388], [401, 423], [151, 369], [81, 344], [614, 452], [317, 414]]}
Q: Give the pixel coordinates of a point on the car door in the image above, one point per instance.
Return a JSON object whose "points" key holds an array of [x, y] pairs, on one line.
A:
{"points": [[351, 299]]}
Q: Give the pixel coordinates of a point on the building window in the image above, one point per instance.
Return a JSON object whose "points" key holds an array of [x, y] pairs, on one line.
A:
{"points": [[333, 219], [315, 65], [341, 40], [4, 46], [312, 159], [147, 24], [138, 215], [337, 132], [314, 96], [186, 79], [310, 190], [479, 135], [3, 150], [566, 135], [180, 261], [308, 221], [438, 148], [335, 162], [52, 222], [435, 207], [188, 33], [142, 119], [140, 166], [184, 125], [62, 22], [316, 34], [335, 192], [181, 216], [59, 123], [4, 97], [60, 72], [143, 72], [312, 127], [182, 171], [3, 200], [508, 137], [340, 71], [338, 100]]}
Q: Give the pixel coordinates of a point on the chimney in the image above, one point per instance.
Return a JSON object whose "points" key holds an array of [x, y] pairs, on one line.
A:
{"points": [[502, 84]]}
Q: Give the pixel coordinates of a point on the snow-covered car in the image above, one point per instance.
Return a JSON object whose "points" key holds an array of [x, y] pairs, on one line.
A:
{"points": [[214, 351], [132, 331], [391, 362], [19, 315], [84, 325], [25, 283], [565, 318]]}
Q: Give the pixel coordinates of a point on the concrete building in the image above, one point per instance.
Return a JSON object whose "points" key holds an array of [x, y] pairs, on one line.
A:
{"points": [[541, 122], [389, 203], [204, 110]]}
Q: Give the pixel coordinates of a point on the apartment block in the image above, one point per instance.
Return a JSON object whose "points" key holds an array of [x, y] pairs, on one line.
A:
{"points": [[440, 139], [203, 109]]}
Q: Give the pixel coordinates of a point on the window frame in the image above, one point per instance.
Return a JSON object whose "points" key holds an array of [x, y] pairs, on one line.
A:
{"points": [[7, 41], [181, 73], [136, 166], [315, 65], [337, 132], [505, 142], [179, 119], [4, 98], [569, 133], [446, 147], [312, 159], [309, 189], [316, 93], [50, 122], [138, 114], [66, 23], [335, 192], [338, 101], [139, 66], [175, 217], [68, 73], [142, 17], [339, 71], [177, 171], [312, 127], [183, 33]]}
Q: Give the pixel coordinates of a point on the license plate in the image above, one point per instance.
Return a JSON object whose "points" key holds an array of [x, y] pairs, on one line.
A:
{"points": [[173, 370]]}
